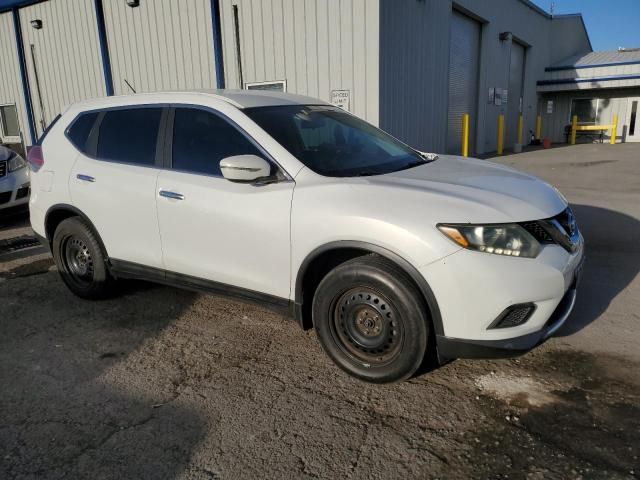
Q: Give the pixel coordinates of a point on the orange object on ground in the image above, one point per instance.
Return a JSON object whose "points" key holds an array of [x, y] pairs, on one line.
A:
{"points": [[546, 143]]}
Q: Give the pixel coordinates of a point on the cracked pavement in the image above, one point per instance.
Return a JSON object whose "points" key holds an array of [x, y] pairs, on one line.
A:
{"points": [[163, 383]]}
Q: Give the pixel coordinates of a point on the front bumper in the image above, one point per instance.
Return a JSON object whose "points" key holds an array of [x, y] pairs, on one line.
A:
{"points": [[14, 190], [472, 289], [449, 348]]}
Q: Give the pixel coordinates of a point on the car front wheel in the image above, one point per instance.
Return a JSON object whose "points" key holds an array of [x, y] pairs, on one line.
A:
{"points": [[371, 320]]}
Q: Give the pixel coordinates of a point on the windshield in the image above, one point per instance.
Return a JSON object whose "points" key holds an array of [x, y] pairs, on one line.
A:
{"points": [[334, 143]]}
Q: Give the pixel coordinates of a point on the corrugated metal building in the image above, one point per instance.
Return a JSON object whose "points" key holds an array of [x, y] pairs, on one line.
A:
{"points": [[412, 67], [594, 87], [63, 62], [160, 45], [13, 112]]}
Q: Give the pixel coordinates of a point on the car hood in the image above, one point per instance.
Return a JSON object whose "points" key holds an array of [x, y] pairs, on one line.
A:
{"points": [[476, 191]]}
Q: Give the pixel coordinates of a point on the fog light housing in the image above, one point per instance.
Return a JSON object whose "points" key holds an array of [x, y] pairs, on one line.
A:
{"points": [[513, 316]]}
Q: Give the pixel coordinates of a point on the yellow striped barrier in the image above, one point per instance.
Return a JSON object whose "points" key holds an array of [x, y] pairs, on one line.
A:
{"points": [[612, 127]]}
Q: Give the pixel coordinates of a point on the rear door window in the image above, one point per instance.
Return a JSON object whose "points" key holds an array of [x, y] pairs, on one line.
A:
{"points": [[80, 129], [201, 139], [129, 135]]}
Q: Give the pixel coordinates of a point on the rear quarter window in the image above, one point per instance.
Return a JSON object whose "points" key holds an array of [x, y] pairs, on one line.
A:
{"points": [[79, 131]]}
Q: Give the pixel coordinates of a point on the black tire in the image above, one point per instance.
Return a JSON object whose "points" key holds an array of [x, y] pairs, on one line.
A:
{"points": [[371, 320], [81, 261]]}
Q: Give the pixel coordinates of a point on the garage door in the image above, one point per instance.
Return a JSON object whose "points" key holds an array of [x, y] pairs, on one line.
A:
{"points": [[514, 98], [464, 48]]}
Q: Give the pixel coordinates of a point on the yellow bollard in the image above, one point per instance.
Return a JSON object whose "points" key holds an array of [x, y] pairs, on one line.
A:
{"points": [[520, 127], [614, 129], [500, 134], [574, 127], [465, 135], [538, 127]]}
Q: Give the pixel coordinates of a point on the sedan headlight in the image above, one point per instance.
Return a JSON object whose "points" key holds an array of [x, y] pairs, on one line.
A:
{"points": [[508, 239], [16, 162]]}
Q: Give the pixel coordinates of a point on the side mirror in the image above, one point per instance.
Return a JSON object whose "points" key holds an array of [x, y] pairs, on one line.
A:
{"points": [[244, 168]]}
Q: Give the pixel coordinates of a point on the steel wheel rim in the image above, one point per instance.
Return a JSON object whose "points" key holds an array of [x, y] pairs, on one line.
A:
{"points": [[367, 327], [78, 260]]}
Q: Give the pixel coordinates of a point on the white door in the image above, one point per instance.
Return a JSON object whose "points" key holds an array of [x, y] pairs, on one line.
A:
{"points": [[633, 120], [213, 229], [464, 57], [117, 188], [515, 94]]}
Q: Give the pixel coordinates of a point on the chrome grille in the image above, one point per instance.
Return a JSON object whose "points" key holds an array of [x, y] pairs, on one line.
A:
{"points": [[3, 169], [567, 221], [561, 229], [538, 232]]}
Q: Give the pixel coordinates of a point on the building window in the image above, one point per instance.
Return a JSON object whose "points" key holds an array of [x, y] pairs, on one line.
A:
{"points": [[277, 86], [586, 109], [9, 125]]}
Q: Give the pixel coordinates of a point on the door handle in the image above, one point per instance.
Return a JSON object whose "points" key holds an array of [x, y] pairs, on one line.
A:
{"points": [[172, 195], [85, 178]]}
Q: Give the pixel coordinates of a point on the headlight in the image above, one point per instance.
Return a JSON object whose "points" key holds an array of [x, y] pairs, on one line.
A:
{"points": [[16, 162], [509, 239]]}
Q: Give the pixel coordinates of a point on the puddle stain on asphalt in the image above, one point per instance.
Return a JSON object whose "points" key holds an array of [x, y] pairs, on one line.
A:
{"points": [[521, 392], [563, 416]]}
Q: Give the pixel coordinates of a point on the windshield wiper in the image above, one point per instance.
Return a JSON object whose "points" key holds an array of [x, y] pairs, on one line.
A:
{"points": [[417, 163], [366, 173]]}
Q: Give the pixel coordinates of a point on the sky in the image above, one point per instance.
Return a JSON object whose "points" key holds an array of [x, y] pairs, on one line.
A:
{"points": [[610, 23]]}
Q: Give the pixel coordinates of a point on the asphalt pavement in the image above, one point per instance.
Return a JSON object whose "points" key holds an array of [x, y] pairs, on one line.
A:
{"points": [[164, 383]]}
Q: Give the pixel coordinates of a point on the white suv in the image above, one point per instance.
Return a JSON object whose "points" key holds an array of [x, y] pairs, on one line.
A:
{"points": [[390, 254], [14, 181]]}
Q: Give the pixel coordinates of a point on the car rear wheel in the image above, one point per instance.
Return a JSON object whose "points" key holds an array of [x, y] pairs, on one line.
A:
{"points": [[80, 260], [371, 320]]}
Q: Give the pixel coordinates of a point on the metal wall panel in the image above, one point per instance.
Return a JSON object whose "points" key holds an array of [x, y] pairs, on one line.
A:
{"points": [[516, 83], [414, 64], [414, 60], [316, 46], [10, 83], [568, 38], [464, 59], [67, 56], [160, 45]]}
